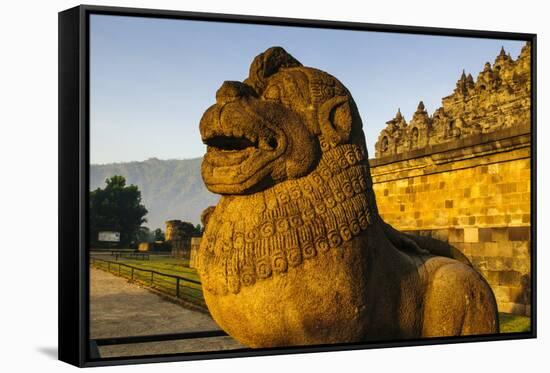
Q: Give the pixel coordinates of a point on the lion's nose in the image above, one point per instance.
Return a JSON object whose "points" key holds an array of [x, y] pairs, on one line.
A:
{"points": [[231, 91]]}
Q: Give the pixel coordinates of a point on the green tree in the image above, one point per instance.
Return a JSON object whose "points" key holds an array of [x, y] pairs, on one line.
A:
{"points": [[197, 229], [144, 234], [158, 235], [117, 208]]}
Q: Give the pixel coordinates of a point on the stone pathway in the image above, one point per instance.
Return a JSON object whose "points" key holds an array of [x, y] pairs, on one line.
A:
{"points": [[119, 309]]}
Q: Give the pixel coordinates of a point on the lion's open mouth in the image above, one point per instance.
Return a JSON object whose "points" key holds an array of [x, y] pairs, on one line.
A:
{"points": [[233, 143], [239, 158], [231, 150], [229, 143]]}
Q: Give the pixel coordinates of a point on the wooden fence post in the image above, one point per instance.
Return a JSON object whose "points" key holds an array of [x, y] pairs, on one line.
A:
{"points": [[177, 287]]}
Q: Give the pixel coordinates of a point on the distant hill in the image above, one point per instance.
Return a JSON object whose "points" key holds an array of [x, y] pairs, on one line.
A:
{"points": [[170, 189]]}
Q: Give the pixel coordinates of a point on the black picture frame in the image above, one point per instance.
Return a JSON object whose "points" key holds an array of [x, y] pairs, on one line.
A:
{"points": [[74, 346]]}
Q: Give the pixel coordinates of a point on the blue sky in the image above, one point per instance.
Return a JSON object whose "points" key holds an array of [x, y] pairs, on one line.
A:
{"points": [[151, 79]]}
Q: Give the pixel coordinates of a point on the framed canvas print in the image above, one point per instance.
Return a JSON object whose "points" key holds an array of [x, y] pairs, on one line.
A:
{"points": [[234, 186]]}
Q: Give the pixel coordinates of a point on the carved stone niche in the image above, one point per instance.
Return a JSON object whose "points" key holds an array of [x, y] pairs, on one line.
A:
{"points": [[392, 139], [419, 128], [503, 65], [384, 146], [498, 99]]}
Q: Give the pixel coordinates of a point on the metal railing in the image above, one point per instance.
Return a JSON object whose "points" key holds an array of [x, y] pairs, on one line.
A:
{"points": [[129, 254], [180, 287]]}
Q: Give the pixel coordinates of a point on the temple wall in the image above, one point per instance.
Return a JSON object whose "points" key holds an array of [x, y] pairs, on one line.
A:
{"points": [[195, 244], [474, 193], [178, 235], [181, 248], [499, 99]]}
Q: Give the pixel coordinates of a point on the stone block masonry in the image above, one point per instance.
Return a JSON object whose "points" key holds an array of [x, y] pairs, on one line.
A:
{"points": [[178, 235], [474, 193], [195, 244]]}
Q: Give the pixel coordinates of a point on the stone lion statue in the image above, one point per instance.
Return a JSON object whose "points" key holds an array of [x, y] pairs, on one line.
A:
{"points": [[295, 252]]}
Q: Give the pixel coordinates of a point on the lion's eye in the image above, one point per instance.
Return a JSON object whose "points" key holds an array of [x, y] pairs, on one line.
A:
{"points": [[272, 93]]}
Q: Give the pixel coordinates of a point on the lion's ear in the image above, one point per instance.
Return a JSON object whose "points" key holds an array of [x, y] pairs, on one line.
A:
{"points": [[335, 120]]}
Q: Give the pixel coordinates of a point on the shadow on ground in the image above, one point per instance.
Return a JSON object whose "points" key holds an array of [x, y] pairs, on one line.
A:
{"points": [[50, 352]]}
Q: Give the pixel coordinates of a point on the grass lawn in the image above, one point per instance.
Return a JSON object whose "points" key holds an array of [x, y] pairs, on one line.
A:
{"points": [[179, 267], [165, 265], [514, 324]]}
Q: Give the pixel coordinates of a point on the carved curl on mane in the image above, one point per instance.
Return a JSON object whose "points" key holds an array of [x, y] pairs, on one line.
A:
{"points": [[267, 64]]}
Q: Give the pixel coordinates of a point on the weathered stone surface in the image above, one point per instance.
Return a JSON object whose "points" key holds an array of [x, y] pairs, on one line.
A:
{"points": [[500, 98], [205, 216], [195, 245], [178, 235], [177, 229], [479, 184], [295, 252]]}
